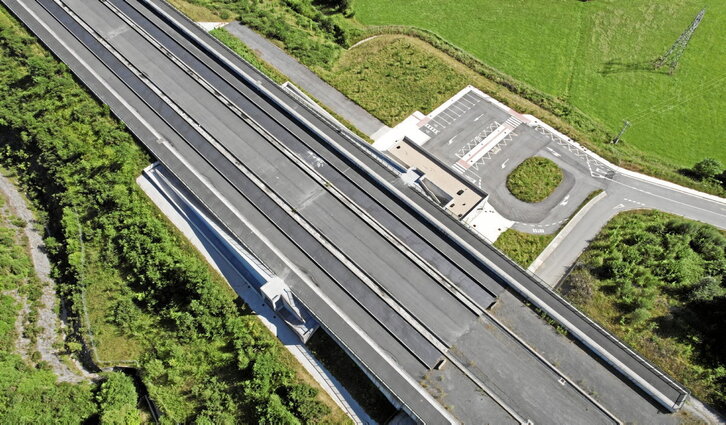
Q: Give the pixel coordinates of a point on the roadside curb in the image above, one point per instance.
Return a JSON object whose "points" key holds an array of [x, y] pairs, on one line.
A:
{"points": [[563, 233], [630, 173], [655, 180]]}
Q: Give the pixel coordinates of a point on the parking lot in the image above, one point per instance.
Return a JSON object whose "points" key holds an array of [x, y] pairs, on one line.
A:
{"points": [[469, 131], [481, 140]]}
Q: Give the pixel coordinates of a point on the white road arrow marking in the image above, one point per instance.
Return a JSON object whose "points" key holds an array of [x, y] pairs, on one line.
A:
{"points": [[477, 118], [564, 201], [452, 139], [504, 164], [618, 206]]}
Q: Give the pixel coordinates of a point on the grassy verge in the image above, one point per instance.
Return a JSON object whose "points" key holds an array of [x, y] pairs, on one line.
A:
{"points": [[392, 76], [245, 53], [534, 179], [201, 13], [349, 374], [118, 337], [657, 282], [523, 248]]}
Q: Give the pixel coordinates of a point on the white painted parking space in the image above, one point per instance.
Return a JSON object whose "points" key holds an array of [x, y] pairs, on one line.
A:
{"points": [[450, 112]]}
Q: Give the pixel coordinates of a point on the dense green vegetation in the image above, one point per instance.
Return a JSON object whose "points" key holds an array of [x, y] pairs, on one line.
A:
{"points": [[29, 392], [30, 396], [117, 398], [312, 36], [597, 56], [204, 358], [659, 283], [534, 179]]}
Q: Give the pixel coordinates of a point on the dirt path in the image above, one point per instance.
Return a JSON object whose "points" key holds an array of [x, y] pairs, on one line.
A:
{"points": [[22, 344], [698, 412], [48, 321]]}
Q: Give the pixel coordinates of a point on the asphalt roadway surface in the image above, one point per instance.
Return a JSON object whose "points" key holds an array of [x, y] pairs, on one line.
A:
{"points": [[453, 129], [260, 213], [304, 78]]}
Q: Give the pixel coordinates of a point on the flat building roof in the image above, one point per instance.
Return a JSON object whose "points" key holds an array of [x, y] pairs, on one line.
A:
{"points": [[463, 195]]}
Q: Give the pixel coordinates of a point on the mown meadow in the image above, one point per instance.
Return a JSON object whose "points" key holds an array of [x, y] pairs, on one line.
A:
{"points": [[598, 57]]}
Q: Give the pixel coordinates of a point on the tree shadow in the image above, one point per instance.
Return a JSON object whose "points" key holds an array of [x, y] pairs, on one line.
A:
{"points": [[699, 324], [330, 7], [615, 66], [688, 172]]}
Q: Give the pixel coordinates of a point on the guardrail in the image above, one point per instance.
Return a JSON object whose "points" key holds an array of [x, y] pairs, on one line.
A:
{"points": [[163, 162], [580, 334]]}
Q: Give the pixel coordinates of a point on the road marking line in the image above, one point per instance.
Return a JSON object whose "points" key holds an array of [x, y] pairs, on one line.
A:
{"points": [[552, 151], [459, 107], [432, 129], [469, 102], [458, 168]]}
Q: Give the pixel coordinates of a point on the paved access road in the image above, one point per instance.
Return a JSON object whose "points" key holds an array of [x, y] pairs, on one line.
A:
{"points": [[301, 76], [298, 224], [627, 193], [459, 127]]}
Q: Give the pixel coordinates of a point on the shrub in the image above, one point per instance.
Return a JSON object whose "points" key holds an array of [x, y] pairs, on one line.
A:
{"points": [[639, 315], [708, 168], [707, 289], [117, 401], [581, 286], [301, 400]]}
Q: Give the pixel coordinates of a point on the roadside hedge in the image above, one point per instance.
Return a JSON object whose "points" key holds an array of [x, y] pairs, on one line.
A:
{"points": [[78, 164]]}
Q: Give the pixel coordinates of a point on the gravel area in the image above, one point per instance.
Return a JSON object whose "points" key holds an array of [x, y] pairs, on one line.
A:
{"points": [[51, 327]]}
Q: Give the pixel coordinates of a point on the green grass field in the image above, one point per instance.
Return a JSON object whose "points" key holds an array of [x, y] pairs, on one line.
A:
{"points": [[534, 179], [596, 55], [522, 248], [392, 76]]}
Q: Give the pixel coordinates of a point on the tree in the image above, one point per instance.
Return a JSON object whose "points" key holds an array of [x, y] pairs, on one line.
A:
{"points": [[707, 289], [117, 400], [275, 413], [707, 168]]}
